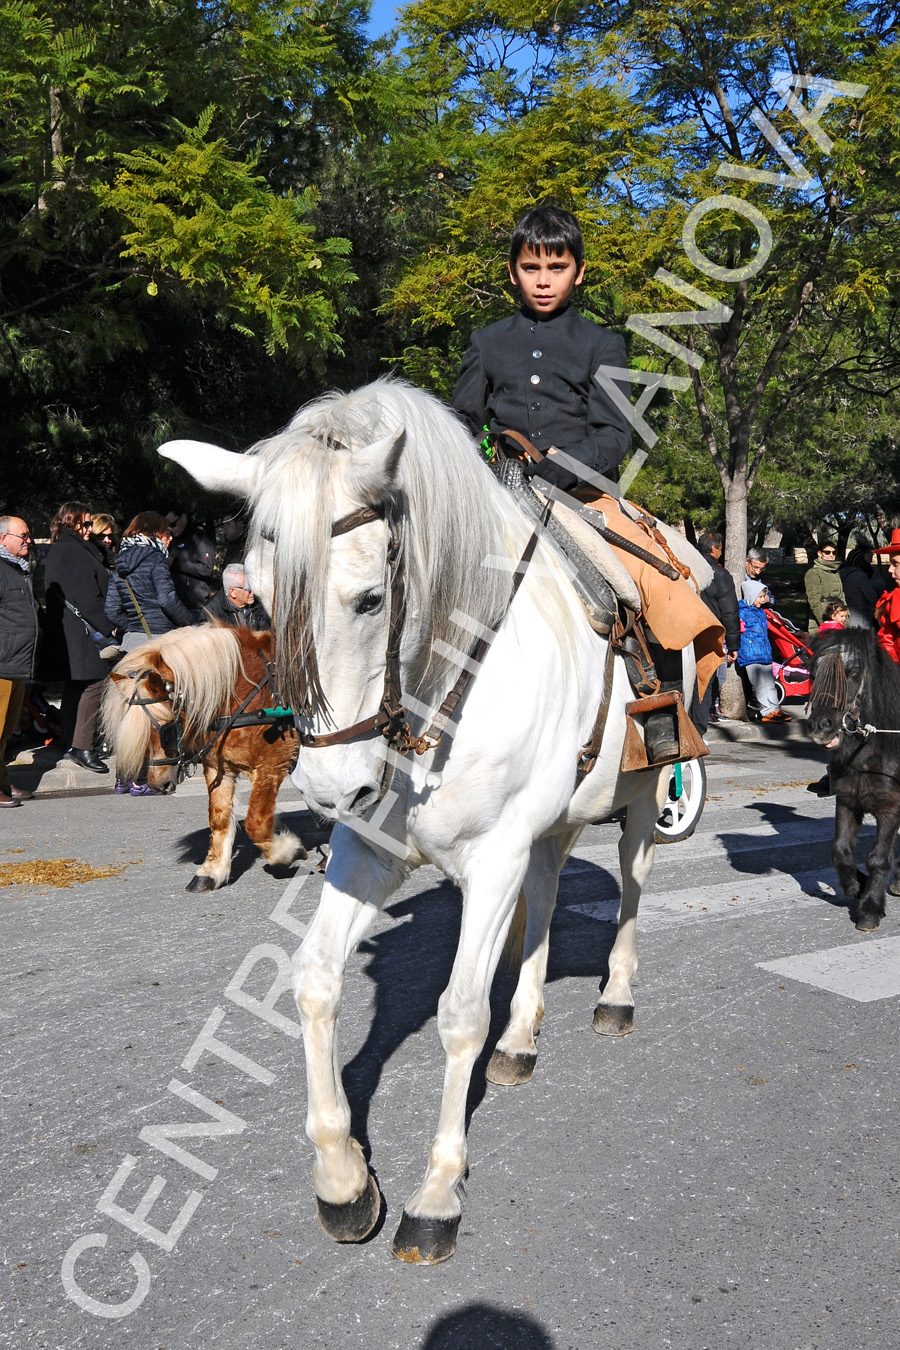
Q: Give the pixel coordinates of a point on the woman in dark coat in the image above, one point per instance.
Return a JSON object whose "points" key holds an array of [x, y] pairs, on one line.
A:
{"points": [[862, 586], [75, 579], [142, 600]]}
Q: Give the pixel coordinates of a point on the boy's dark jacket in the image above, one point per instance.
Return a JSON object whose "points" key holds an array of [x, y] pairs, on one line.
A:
{"points": [[536, 375]]}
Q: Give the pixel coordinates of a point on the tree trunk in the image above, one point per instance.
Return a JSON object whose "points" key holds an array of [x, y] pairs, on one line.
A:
{"points": [[736, 495]]}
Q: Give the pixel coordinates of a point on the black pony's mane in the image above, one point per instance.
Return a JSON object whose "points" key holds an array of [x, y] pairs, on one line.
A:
{"points": [[880, 702]]}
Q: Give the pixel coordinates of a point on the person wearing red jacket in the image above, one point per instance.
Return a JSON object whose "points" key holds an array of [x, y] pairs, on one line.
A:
{"points": [[887, 610]]}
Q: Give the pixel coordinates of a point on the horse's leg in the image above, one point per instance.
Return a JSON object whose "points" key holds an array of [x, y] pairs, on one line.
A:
{"points": [[847, 821], [216, 866], [870, 910], [259, 824], [427, 1230], [347, 1198], [614, 1014], [514, 1059]]}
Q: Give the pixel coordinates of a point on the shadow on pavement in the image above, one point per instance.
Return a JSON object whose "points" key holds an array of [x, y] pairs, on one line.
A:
{"points": [[481, 1326]]}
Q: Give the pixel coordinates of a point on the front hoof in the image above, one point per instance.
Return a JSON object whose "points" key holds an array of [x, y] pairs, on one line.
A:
{"points": [[894, 888], [355, 1220], [425, 1242], [868, 923], [611, 1019], [199, 883], [510, 1070]]}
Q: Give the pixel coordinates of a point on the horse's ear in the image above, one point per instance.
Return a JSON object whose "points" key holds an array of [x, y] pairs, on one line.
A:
{"points": [[216, 469], [377, 463]]}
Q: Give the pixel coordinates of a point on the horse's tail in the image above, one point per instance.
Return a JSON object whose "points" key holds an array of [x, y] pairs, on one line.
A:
{"points": [[514, 946]]}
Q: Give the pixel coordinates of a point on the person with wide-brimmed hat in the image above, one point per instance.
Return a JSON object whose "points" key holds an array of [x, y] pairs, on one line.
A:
{"points": [[887, 611]]}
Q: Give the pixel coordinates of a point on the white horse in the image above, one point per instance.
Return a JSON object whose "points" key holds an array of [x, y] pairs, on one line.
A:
{"points": [[494, 805]]}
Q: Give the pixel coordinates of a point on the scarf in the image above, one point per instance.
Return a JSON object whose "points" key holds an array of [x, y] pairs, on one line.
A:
{"points": [[11, 558], [133, 540]]}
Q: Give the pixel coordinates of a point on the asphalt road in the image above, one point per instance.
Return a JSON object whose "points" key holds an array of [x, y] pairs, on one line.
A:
{"points": [[727, 1175]]}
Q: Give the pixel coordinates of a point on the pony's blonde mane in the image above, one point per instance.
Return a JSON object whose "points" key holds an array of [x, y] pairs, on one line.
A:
{"points": [[458, 525], [205, 663]]}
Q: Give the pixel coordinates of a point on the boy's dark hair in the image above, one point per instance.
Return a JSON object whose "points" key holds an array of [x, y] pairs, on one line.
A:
{"points": [[547, 229]]}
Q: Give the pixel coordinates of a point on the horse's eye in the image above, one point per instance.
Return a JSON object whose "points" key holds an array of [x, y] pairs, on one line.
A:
{"points": [[370, 602]]}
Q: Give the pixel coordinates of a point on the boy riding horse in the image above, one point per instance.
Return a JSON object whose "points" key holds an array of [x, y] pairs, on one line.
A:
{"points": [[533, 373]]}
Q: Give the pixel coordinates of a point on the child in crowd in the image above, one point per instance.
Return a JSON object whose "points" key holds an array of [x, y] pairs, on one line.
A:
{"points": [[835, 615], [755, 652]]}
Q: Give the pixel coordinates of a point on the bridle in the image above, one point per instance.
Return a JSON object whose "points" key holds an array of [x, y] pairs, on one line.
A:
{"points": [[390, 719], [171, 734], [833, 688]]}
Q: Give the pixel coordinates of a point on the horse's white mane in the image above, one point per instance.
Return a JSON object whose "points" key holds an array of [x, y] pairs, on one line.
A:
{"points": [[205, 663], [456, 520]]}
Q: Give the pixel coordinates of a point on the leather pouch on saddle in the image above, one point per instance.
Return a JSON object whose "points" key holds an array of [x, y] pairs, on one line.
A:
{"points": [[669, 734]]}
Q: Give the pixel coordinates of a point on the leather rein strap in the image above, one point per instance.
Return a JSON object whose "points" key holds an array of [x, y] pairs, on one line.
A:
{"points": [[390, 719]]}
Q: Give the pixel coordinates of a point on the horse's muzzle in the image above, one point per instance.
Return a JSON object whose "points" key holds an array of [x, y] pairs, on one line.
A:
{"points": [[824, 726]]}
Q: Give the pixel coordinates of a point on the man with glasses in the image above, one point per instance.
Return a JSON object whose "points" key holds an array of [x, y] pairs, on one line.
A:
{"points": [[18, 640], [823, 583], [755, 564], [236, 604]]}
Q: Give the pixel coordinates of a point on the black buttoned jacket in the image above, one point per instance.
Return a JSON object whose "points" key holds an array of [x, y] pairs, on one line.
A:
{"points": [[535, 375]]}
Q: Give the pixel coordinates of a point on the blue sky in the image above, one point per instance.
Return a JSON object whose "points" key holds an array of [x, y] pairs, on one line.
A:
{"points": [[382, 18]]}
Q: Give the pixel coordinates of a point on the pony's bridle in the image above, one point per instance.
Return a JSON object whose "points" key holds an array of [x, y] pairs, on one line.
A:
{"points": [[170, 734], [832, 687], [390, 720]]}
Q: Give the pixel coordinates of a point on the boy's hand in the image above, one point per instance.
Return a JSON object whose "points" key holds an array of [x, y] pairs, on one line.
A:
{"points": [[551, 473]]}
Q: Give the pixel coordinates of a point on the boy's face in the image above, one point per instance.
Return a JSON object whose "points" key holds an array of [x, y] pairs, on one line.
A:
{"points": [[546, 280]]}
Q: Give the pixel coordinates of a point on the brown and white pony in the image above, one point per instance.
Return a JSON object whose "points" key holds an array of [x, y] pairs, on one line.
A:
{"points": [[165, 703]]}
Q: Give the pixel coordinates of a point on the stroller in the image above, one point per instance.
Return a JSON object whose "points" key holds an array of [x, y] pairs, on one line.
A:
{"points": [[790, 656]]}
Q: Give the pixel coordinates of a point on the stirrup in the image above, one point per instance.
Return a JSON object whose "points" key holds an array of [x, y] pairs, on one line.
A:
{"points": [[634, 752]]}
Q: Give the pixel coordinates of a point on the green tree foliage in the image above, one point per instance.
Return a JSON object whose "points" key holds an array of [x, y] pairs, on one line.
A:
{"points": [[624, 113], [157, 200]]}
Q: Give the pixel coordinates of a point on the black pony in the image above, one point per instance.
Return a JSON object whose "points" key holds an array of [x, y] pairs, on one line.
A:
{"points": [[855, 713]]}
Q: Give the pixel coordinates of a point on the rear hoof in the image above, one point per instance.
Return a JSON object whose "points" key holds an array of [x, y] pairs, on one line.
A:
{"points": [[199, 883], [612, 1019], [425, 1242], [355, 1220], [894, 888], [510, 1070], [868, 923]]}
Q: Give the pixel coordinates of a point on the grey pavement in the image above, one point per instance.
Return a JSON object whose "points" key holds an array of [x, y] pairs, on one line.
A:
{"points": [[725, 1176]]}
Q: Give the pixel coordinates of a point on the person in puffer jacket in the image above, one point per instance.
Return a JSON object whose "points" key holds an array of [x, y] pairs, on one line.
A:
{"points": [[755, 652], [142, 564]]}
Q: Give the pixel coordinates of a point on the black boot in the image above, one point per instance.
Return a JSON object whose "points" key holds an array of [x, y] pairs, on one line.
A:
{"points": [[87, 759], [661, 730]]}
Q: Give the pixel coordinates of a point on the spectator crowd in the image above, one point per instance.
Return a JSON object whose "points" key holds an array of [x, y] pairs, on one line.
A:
{"points": [[105, 593]]}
